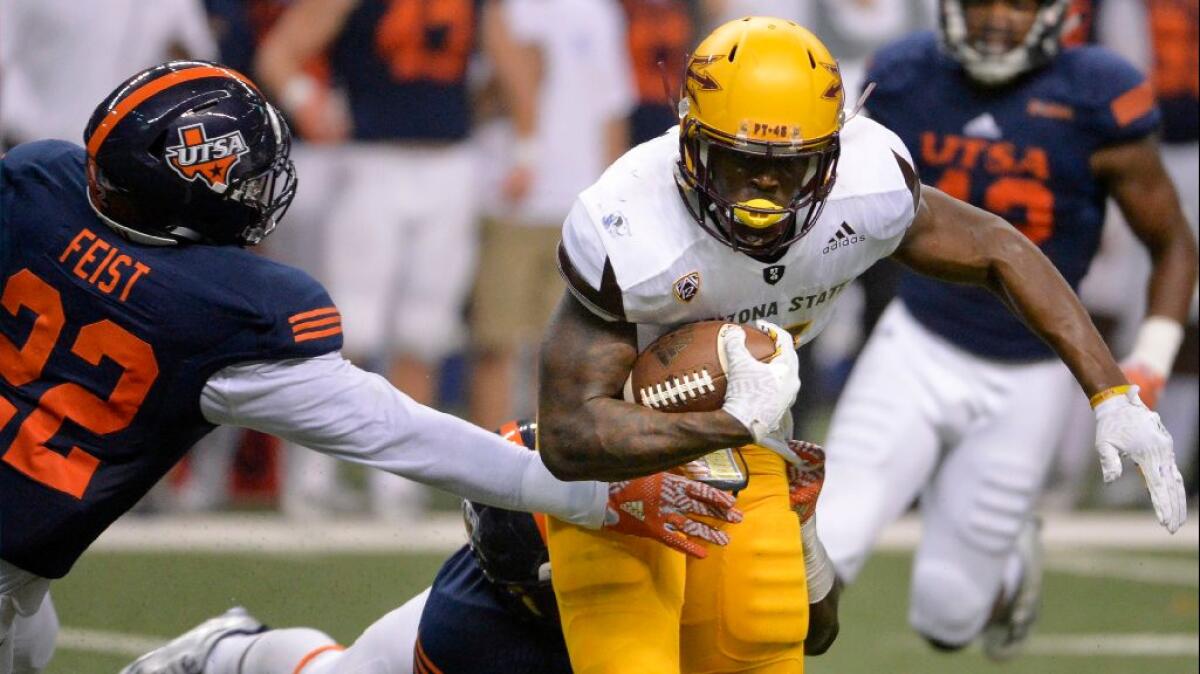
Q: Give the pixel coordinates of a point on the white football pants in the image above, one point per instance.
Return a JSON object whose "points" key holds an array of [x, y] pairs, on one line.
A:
{"points": [[972, 438], [28, 622]]}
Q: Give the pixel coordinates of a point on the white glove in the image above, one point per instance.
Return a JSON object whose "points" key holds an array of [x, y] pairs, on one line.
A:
{"points": [[759, 394], [1125, 427]]}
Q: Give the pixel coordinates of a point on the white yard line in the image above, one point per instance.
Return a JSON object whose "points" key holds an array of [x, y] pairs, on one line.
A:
{"points": [[1153, 570], [109, 643], [1096, 645], [1114, 644], [443, 532]]}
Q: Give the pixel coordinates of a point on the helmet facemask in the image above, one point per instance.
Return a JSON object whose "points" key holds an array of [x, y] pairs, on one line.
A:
{"points": [[757, 197], [991, 67], [268, 193]]}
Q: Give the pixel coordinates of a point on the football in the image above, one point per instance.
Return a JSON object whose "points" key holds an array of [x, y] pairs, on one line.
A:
{"points": [[684, 370]]}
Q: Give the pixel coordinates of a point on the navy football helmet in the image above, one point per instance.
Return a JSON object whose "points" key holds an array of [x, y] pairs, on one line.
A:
{"points": [[510, 550], [1040, 45], [189, 151]]}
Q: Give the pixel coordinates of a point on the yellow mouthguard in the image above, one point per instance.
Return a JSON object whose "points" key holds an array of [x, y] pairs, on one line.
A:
{"points": [[754, 219]]}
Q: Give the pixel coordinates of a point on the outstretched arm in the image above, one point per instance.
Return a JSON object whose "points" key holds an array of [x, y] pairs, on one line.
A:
{"points": [[1135, 176]]}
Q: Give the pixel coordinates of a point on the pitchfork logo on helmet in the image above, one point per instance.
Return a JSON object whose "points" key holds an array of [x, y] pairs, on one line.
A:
{"points": [[209, 159]]}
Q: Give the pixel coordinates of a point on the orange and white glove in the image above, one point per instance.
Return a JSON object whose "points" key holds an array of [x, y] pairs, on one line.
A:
{"points": [[806, 476], [664, 507]]}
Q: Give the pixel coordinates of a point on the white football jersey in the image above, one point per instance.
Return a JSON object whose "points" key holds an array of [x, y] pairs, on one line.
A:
{"points": [[631, 250]]}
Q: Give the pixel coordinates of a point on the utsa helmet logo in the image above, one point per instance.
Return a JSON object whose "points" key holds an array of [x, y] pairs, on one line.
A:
{"points": [[209, 159]]}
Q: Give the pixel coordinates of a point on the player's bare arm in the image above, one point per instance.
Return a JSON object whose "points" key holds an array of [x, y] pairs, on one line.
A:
{"points": [[954, 241], [958, 242], [1134, 174], [303, 32], [1136, 178], [585, 429]]}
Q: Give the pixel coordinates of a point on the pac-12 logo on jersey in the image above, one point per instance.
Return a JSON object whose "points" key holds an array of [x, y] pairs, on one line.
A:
{"points": [[210, 159]]}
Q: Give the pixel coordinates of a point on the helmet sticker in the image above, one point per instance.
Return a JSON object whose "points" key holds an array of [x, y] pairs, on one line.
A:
{"points": [[209, 159]]}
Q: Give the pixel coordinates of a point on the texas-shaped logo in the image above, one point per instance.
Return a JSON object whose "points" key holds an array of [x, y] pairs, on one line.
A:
{"points": [[209, 159]]}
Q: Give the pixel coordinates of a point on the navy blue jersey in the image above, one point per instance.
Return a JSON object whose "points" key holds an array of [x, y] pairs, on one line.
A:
{"points": [[105, 346], [1175, 39], [403, 64], [1020, 151], [659, 37], [468, 628]]}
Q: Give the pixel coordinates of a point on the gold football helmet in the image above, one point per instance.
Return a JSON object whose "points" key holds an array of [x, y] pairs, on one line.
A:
{"points": [[760, 114]]}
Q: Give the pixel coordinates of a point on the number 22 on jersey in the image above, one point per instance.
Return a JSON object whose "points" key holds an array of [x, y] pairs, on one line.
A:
{"points": [[20, 365]]}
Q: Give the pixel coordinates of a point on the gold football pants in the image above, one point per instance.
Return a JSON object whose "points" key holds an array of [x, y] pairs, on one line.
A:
{"points": [[632, 605]]}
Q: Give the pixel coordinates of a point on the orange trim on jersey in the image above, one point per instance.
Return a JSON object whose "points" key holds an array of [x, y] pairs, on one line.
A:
{"points": [[313, 654], [1132, 104], [324, 311], [137, 96], [540, 520], [309, 336], [309, 325], [424, 660]]}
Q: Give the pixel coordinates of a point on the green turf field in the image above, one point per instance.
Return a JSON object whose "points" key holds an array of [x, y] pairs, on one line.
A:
{"points": [[1093, 622]]}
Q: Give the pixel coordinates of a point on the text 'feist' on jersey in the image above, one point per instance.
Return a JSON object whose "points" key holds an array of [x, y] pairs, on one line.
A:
{"points": [[210, 159]]}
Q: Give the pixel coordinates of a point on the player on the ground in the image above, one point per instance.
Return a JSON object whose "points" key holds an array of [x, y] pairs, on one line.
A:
{"points": [[762, 205], [491, 609], [954, 399], [135, 321]]}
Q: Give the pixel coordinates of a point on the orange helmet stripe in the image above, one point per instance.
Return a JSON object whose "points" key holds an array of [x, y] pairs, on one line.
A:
{"points": [[137, 96]]}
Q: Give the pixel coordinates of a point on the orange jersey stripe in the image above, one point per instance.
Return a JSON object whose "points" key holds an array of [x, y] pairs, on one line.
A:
{"points": [[135, 98], [308, 336], [1132, 104], [312, 655], [309, 325], [323, 311], [425, 661]]}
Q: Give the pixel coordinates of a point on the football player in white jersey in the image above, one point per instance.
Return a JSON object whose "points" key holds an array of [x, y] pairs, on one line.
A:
{"points": [[762, 206]]}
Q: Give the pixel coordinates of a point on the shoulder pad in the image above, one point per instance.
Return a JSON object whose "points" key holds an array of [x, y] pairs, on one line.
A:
{"points": [[877, 169], [1114, 98], [896, 67]]}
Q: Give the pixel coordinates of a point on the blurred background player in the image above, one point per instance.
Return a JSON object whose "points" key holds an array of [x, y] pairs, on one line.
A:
{"points": [[569, 79], [1160, 38], [491, 607], [954, 399], [402, 240], [61, 56], [661, 34]]}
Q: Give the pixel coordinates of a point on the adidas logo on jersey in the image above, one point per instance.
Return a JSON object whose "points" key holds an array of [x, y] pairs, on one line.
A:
{"points": [[983, 126], [844, 236]]}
